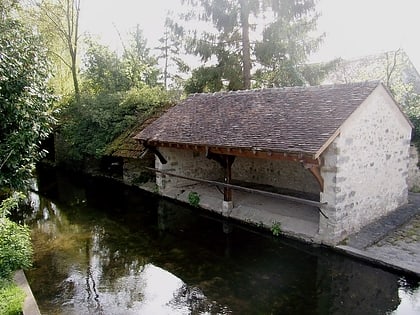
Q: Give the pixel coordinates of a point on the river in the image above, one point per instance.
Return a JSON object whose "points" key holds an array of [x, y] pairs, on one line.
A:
{"points": [[104, 248]]}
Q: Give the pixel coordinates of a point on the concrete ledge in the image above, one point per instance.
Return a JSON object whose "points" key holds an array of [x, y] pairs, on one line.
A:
{"points": [[30, 307], [396, 265]]}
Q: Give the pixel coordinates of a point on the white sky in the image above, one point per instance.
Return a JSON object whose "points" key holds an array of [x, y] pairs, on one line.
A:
{"points": [[353, 28]]}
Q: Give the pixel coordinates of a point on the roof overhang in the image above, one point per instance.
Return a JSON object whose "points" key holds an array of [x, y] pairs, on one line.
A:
{"points": [[308, 159]]}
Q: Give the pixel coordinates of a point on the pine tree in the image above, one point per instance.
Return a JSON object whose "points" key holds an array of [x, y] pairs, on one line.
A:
{"points": [[236, 44]]}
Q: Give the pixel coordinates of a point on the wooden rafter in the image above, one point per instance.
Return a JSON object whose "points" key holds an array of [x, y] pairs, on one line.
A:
{"points": [[307, 159]]}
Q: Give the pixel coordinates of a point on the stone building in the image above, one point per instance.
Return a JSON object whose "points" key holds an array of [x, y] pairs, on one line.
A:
{"points": [[318, 163]]}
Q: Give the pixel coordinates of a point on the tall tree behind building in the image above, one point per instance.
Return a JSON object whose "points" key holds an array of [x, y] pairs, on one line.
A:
{"points": [[271, 34], [170, 49]]}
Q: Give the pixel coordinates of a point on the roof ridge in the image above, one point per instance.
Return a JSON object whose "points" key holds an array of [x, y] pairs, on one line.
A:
{"points": [[289, 88]]}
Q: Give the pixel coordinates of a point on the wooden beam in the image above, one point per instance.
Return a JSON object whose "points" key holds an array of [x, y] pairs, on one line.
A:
{"points": [[267, 154], [246, 189], [227, 191], [316, 172]]}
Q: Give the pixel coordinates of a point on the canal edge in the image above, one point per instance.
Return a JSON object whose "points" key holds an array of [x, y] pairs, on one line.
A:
{"points": [[30, 306], [376, 261]]}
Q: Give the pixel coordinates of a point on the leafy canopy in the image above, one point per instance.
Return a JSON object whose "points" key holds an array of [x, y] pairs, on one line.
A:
{"points": [[116, 92], [25, 102]]}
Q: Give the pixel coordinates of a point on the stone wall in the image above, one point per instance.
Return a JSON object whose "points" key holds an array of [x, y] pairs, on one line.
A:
{"points": [[186, 163], [134, 172], [413, 170], [365, 169], [282, 174]]}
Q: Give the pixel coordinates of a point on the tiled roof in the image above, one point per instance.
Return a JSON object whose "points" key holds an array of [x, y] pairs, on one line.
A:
{"points": [[298, 119], [125, 145]]}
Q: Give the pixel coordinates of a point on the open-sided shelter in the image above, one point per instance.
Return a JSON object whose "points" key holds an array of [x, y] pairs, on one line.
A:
{"points": [[341, 148]]}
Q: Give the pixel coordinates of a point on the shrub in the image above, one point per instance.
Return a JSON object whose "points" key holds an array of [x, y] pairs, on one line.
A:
{"points": [[194, 199], [89, 127], [15, 247], [11, 298], [15, 253]]}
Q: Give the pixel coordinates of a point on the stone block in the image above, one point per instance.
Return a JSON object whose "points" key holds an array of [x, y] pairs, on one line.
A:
{"points": [[227, 206]]}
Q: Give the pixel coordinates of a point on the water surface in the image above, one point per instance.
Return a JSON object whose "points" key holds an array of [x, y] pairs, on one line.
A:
{"points": [[104, 248]]}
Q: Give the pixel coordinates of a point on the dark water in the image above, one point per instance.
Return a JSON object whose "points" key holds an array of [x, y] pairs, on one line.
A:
{"points": [[104, 248]]}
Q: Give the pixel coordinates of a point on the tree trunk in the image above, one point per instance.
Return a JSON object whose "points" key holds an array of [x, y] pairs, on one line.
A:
{"points": [[72, 15], [75, 79], [246, 51], [165, 72]]}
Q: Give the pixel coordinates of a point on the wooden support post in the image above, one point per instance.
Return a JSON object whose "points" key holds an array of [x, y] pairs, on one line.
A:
{"points": [[316, 172], [227, 191]]}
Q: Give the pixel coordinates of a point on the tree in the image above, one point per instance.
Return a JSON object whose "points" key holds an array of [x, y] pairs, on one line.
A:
{"points": [[116, 90], [25, 103], [60, 19], [170, 50], [204, 79], [141, 67], [104, 70], [284, 46]]}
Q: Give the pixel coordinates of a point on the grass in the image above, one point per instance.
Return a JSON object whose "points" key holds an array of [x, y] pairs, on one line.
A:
{"points": [[276, 228], [11, 298], [194, 199], [415, 189]]}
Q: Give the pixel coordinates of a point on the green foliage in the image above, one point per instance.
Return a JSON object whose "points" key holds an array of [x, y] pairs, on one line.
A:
{"points": [[11, 203], [170, 50], [90, 126], [286, 45], [117, 93], [104, 70], [15, 247], [276, 228], [139, 65], [204, 79], [48, 17], [278, 52], [142, 178], [194, 198], [11, 298], [413, 113], [25, 103], [314, 74]]}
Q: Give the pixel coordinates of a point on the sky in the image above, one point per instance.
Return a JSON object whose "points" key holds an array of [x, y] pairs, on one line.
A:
{"points": [[353, 28]]}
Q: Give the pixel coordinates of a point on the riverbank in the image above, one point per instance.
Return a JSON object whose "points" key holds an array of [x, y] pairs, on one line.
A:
{"points": [[30, 307]]}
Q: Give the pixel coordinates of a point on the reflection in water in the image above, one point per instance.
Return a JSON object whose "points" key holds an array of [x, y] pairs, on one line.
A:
{"points": [[410, 299], [103, 248]]}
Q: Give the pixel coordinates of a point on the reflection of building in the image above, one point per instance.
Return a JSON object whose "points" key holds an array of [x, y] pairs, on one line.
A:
{"points": [[350, 287], [265, 277], [347, 145]]}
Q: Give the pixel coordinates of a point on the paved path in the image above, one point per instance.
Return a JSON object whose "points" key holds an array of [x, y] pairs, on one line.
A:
{"points": [[393, 241]]}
